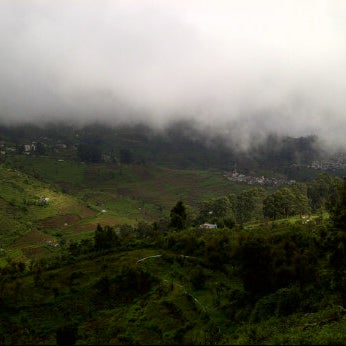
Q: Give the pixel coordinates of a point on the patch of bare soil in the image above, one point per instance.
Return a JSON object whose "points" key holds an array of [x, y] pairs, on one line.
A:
{"points": [[34, 251], [34, 237], [59, 221]]}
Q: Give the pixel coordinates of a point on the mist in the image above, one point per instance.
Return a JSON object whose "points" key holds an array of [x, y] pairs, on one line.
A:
{"points": [[241, 69]]}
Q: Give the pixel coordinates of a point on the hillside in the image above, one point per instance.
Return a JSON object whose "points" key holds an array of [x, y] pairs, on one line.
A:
{"points": [[181, 145], [58, 200], [82, 195], [271, 285], [110, 252]]}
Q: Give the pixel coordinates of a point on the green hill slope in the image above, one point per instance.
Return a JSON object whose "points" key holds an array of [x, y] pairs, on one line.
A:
{"points": [[188, 287], [65, 200], [26, 206]]}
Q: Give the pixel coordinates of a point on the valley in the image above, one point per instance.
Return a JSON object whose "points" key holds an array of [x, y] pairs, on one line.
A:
{"points": [[120, 254]]}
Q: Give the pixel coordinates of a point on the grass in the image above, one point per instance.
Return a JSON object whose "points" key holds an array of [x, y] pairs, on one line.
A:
{"points": [[172, 311], [296, 219], [84, 195], [159, 186]]}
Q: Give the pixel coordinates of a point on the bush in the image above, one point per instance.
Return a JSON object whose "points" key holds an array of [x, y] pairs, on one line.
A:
{"points": [[283, 302], [197, 278]]}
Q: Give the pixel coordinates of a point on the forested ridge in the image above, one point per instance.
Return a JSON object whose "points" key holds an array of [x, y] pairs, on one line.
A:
{"points": [[183, 144]]}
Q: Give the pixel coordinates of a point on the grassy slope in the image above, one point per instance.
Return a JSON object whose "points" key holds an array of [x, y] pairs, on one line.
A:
{"points": [[170, 312], [152, 184], [81, 196], [22, 213]]}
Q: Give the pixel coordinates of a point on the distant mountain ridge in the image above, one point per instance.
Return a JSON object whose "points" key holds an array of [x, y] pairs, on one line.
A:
{"points": [[181, 145]]}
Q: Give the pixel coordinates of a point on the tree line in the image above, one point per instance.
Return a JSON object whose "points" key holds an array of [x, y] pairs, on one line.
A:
{"points": [[257, 204]]}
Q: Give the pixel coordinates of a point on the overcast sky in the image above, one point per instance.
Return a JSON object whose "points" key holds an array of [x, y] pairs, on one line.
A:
{"points": [[253, 66]]}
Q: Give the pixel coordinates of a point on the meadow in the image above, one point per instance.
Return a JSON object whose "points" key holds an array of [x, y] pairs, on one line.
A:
{"points": [[81, 195]]}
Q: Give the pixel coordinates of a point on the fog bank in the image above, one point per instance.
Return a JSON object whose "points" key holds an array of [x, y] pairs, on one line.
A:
{"points": [[243, 68]]}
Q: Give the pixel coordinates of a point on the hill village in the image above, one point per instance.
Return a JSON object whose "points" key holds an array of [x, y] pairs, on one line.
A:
{"points": [[253, 180], [335, 163]]}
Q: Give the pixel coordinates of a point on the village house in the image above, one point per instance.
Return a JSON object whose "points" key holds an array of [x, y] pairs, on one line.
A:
{"points": [[208, 225], [28, 148]]}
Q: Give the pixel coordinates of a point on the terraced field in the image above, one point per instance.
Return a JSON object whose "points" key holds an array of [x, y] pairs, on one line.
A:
{"points": [[65, 200]]}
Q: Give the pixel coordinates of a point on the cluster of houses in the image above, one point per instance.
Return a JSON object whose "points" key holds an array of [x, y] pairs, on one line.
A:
{"points": [[27, 148], [6, 148], [252, 180], [335, 163]]}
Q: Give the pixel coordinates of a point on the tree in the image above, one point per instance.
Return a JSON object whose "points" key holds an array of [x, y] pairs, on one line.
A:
{"points": [[269, 207], [338, 207], [245, 206], [144, 229], [89, 152], [281, 203], [301, 199], [126, 156], [66, 335], [40, 148], [321, 190], [337, 240], [178, 216], [214, 209], [254, 263], [105, 238]]}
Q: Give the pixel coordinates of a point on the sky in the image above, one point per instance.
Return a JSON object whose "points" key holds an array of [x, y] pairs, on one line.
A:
{"points": [[243, 68]]}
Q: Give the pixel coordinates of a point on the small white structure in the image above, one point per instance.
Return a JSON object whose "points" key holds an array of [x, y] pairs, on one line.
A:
{"points": [[208, 225], [44, 200]]}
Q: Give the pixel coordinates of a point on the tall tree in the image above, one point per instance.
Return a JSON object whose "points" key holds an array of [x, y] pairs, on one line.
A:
{"points": [[105, 238], [338, 208], [178, 216]]}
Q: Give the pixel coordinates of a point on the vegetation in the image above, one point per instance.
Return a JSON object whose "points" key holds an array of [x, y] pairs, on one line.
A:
{"points": [[120, 252]]}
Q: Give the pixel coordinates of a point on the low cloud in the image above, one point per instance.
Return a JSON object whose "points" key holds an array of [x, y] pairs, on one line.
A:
{"points": [[242, 68]]}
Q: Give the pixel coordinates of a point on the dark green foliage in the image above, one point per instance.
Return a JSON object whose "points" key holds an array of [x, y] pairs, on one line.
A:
{"points": [[336, 240], [225, 290], [217, 251], [66, 335], [125, 286], [245, 206], [322, 191], [135, 279], [178, 216], [255, 265], [187, 244], [40, 148], [338, 207], [286, 202], [280, 204], [214, 209], [229, 222], [126, 230], [105, 238], [144, 229], [103, 286], [197, 277], [283, 302], [126, 156], [165, 282], [274, 261], [89, 152]]}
